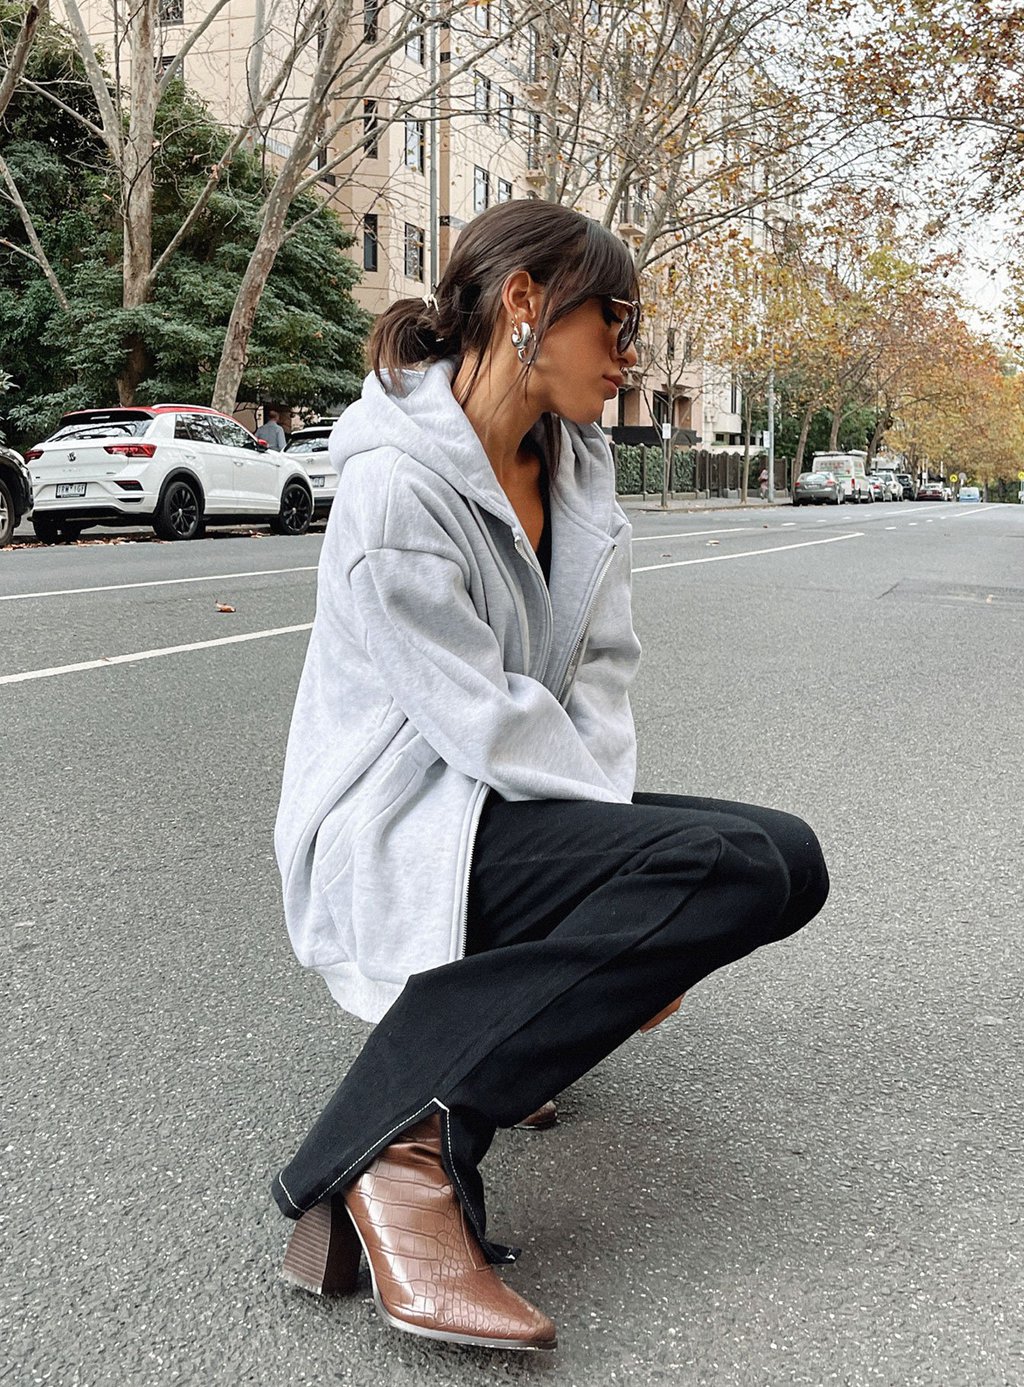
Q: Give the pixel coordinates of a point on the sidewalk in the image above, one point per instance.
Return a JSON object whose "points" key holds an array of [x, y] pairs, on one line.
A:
{"points": [[653, 503]]}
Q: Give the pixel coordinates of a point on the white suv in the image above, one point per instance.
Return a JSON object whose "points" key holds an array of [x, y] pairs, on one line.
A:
{"points": [[169, 466]]}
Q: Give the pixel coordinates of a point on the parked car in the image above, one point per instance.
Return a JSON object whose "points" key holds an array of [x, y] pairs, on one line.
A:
{"points": [[931, 491], [171, 466], [891, 488], [310, 445], [15, 493], [969, 493], [907, 483], [875, 488], [818, 488]]}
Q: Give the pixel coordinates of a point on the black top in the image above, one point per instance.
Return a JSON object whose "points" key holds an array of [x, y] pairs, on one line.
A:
{"points": [[544, 544]]}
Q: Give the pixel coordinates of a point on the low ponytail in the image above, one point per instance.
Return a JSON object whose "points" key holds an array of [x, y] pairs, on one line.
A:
{"points": [[407, 334]]}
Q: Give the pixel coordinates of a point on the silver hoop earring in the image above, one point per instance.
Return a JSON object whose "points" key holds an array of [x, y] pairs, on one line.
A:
{"points": [[522, 336]]}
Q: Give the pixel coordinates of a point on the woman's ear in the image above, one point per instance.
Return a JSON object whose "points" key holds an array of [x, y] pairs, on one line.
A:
{"points": [[521, 297]]}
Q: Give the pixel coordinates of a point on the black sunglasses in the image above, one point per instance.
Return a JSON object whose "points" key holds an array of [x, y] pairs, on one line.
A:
{"points": [[630, 324]]}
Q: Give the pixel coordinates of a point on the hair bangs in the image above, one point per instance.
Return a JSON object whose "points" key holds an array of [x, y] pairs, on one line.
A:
{"points": [[602, 267]]}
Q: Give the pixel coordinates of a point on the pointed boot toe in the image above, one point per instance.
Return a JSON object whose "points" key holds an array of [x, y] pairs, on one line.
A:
{"points": [[430, 1276]]}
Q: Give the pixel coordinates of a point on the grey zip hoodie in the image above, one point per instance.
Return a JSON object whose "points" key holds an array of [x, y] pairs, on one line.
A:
{"points": [[441, 666]]}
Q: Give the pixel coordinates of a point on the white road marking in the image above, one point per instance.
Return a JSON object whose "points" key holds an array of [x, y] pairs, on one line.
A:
{"points": [[690, 534], [157, 583], [148, 654], [306, 626], [750, 553], [789, 524]]}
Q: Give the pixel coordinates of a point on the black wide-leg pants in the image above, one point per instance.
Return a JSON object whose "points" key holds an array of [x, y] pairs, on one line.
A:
{"points": [[585, 920]]}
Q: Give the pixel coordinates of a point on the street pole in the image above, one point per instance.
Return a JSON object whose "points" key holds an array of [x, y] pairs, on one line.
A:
{"points": [[771, 435], [435, 231]]}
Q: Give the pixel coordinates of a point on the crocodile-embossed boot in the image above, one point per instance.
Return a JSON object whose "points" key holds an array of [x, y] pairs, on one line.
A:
{"points": [[429, 1273]]}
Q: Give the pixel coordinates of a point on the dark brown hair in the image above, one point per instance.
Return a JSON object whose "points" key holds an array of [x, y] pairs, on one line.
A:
{"points": [[573, 257]]}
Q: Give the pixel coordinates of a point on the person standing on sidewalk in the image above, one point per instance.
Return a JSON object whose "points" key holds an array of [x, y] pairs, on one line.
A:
{"points": [[271, 433], [464, 856]]}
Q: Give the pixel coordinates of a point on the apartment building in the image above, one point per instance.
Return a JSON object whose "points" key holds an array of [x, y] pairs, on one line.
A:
{"points": [[429, 125]]}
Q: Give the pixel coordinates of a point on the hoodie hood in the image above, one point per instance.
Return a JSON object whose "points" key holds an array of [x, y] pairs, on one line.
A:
{"points": [[427, 423]]}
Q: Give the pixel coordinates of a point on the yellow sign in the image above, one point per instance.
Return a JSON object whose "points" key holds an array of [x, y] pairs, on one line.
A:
{"points": [[1020, 476]]}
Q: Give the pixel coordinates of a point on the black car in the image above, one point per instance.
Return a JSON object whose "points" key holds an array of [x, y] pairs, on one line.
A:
{"points": [[15, 493]]}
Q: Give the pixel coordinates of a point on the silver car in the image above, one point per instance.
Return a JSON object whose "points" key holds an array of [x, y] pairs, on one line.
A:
{"points": [[892, 489], [818, 488]]}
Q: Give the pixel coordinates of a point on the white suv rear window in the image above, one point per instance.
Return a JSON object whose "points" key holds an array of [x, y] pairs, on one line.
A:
{"points": [[102, 428]]}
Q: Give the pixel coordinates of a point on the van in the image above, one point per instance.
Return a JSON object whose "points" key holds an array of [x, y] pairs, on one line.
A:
{"points": [[851, 469]]}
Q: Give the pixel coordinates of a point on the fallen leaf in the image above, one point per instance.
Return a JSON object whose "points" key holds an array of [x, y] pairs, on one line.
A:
{"points": [[711, 543], [223, 607]]}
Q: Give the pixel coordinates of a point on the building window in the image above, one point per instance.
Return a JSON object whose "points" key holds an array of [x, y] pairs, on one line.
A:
{"points": [[164, 63], [534, 144], [506, 108], [416, 44], [532, 54], [371, 241], [504, 190], [483, 13], [481, 189], [670, 344], [415, 144], [688, 347], [482, 96], [371, 129], [734, 396], [172, 11], [371, 20], [414, 251], [659, 407]]}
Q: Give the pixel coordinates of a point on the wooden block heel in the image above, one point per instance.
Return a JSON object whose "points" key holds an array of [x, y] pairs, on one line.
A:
{"points": [[323, 1252]]}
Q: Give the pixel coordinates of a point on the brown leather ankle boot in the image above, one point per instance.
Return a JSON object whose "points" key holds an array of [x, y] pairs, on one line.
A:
{"points": [[429, 1273], [541, 1119]]}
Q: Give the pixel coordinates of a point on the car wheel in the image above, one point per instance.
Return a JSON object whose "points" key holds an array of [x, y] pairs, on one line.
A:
{"points": [[178, 514], [8, 519], [296, 510]]}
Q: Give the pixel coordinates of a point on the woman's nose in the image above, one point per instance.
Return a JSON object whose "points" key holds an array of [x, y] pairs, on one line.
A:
{"points": [[630, 356]]}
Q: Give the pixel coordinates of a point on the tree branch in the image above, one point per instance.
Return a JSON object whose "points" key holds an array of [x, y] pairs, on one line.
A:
{"points": [[30, 232]]}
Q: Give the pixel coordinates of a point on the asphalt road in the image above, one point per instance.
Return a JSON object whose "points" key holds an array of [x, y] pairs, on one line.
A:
{"points": [[811, 1175]]}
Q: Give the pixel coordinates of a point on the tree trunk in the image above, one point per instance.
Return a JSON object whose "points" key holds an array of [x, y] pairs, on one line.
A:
{"points": [[243, 314], [137, 189], [881, 423], [837, 419], [274, 225], [801, 443]]}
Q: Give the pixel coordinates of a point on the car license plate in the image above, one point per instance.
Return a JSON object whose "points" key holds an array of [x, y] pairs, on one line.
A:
{"points": [[318, 481], [71, 488]]}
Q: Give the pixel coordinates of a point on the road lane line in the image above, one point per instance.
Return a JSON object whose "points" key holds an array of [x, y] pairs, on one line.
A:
{"points": [[148, 654], [109, 660], [157, 583], [691, 534], [750, 553]]}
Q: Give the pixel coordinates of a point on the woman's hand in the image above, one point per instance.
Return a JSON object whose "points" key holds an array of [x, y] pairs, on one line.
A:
{"points": [[670, 1010]]}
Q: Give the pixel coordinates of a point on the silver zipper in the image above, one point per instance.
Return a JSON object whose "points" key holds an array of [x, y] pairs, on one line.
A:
{"points": [[569, 677], [533, 564]]}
